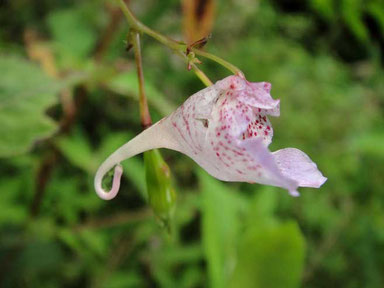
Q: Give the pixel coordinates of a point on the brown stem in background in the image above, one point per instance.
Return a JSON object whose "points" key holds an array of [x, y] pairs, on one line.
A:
{"points": [[114, 220], [44, 172], [134, 39], [38, 51], [115, 17], [122, 248], [43, 175], [42, 54]]}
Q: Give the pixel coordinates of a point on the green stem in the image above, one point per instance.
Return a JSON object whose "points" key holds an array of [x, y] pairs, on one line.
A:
{"points": [[137, 25], [145, 117], [178, 47], [200, 74], [220, 61]]}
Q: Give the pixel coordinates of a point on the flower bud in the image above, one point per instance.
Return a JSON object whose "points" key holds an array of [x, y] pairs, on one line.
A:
{"points": [[161, 195]]}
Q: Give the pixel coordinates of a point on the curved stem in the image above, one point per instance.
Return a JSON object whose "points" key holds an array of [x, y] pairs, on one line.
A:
{"points": [[220, 61], [200, 74], [178, 47], [137, 25]]}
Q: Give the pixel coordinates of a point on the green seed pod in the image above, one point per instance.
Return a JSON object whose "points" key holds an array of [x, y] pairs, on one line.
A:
{"points": [[161, 195]]}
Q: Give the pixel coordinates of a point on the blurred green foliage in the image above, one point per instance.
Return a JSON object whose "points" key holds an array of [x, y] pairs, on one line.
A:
{"points": [[22, 107], [324, 59]]}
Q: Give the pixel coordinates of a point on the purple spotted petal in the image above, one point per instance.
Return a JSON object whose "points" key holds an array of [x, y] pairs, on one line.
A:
{"points": [[225, 129]]}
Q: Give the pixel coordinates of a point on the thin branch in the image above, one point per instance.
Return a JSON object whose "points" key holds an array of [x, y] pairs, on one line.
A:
{"points": [[220, 61], [140, 27], [179, 47], [107, 34], [145, 117], [114, 220]]}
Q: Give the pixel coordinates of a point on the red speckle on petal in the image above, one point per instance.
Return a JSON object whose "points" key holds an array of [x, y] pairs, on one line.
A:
{"points": [[266, 133], [217, 154]]}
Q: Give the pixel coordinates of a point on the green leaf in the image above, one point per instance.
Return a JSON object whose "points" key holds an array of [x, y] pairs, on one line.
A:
{"points": [[271, 256], [127, 85], [352, 12], [376, 9], [124, 280], [73, 35], [221, 227], [78, 151], [25, 94], [325, 7]]}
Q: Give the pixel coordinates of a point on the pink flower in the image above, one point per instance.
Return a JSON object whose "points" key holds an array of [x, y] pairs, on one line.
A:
{"points": [[225, 129]]}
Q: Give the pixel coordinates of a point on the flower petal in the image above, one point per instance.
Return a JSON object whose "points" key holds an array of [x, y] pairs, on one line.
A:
{"points": [[256, 94], [268, 172], [296, 165]]}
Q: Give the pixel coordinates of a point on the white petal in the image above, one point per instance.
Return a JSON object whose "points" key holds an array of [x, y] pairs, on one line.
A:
{"points": [[296, 165]]}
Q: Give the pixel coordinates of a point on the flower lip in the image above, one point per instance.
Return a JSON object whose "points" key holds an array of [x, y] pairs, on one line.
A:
{"points": [[235, 118]]}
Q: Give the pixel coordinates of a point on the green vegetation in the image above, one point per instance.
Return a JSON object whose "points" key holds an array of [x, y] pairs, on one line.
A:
{"points": [[69, 97]]}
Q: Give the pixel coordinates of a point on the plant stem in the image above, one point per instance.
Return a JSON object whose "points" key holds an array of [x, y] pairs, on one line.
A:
{"points": [[220, 61], [200, 74], [145, 117], [140, 27], [179, 47]]}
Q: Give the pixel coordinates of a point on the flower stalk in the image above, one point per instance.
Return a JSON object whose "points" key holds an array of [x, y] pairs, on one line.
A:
{"points": [[220, 61], [180, 48]]}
